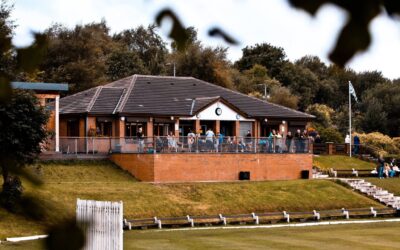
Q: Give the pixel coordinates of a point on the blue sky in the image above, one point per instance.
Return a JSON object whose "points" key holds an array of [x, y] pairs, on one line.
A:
{"points": [[249, 21]]}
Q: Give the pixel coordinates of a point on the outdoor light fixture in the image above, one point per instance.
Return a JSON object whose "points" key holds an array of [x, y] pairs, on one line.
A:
{"points": [[283, 122], [237, 117], [172, 118], [265, 120], [198, 115], [122, 118]]}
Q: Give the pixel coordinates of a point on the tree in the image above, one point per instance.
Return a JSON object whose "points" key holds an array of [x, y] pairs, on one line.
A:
{"points": [[323, 114], [283, 96], [148, 45], [206, 63], [78, 56], [375, 118], [301, 81], [341, 77], [315, 65], [253, 79], [121, 64], [7, 60], [384, 98], [271, 57], [22, 126]]}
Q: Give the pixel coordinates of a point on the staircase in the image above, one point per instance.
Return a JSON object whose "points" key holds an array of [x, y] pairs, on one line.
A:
{"points": [[373, 191], [319, 175]]}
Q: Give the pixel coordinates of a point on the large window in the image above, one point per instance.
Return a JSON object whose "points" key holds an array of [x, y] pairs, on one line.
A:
{"points": [[162, 129], [73, 127], [131, 128], [104, 127]]}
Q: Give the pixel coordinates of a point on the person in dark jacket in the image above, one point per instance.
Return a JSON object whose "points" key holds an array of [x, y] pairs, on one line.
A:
{"points": [[381, 167], [356, 144], [317, 139], [289, 138]]}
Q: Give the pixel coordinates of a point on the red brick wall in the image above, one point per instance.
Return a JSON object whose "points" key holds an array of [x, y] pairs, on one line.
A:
{"points": [[213, 167], [138, 165]]}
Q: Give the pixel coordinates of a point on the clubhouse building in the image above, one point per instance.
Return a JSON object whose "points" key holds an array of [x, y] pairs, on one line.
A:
{"points": [[161, 104], [107, 119]]}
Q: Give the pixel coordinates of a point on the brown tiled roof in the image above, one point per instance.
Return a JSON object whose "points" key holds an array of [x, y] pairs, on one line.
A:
{"points": [[167, 96]]}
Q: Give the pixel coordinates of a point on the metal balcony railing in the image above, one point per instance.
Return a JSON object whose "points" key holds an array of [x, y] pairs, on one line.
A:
{"points": [[183, 144]]}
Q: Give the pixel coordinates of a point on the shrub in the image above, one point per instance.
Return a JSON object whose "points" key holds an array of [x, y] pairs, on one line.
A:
{"points": [[384, 144], [330, 134], [323, 114]]}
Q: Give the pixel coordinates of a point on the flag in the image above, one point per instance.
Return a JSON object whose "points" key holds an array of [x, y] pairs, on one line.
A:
{"points": [[352, 91]]}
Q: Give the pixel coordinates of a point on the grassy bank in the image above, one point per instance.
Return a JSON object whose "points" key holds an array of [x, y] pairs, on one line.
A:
{"points": [[326, 162], [64, 183], [356, 236]]}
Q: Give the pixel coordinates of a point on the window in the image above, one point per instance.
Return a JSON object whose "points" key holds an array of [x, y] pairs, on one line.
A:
{"points": [[131, 128], [73, 127], [104, 128], [49, 104], [162, 129]]}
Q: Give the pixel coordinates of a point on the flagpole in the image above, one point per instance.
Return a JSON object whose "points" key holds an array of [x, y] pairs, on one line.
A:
{"points": [[350, 118]]}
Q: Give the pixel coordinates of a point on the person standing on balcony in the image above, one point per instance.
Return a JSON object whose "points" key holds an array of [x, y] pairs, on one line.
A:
{"points": [[288, 142], [248, 140], [221, 141], [139, 136], [210, 139], [191, 139], [297, 138]]}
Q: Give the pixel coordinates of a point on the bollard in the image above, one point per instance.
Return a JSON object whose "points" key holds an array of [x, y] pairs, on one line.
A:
{"points": [[346, 213], [286, 216], [256, 219], [317, 215], [373, 212]]}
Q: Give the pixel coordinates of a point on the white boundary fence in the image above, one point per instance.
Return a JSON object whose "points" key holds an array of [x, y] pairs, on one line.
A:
{"points": [[102, 223]]}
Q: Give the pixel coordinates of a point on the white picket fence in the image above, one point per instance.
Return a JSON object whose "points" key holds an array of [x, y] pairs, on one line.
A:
{"points": [[102, 223]]}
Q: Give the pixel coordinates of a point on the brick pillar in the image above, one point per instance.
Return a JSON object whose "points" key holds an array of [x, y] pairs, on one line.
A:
{"points": [[119, 128], [149, 127], [196, 126], [176, 127], [217, 126], [82, 127], [256, 129], [329, 148], [236, 128]]}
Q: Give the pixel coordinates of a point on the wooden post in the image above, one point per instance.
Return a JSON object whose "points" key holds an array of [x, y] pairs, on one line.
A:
{"points": [[149, 127], [176, 127], [329, 148], [217, 126], [197, 126], [236, 130]]}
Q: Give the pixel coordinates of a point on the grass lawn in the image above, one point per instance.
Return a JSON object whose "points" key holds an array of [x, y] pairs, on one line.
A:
{"points": [[390, 184], [355, 236], [341, 162], [64, 183]]}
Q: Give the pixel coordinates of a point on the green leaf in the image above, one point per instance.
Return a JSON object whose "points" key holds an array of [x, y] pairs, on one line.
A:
{"points": [[218, 32], [178, 32]]}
